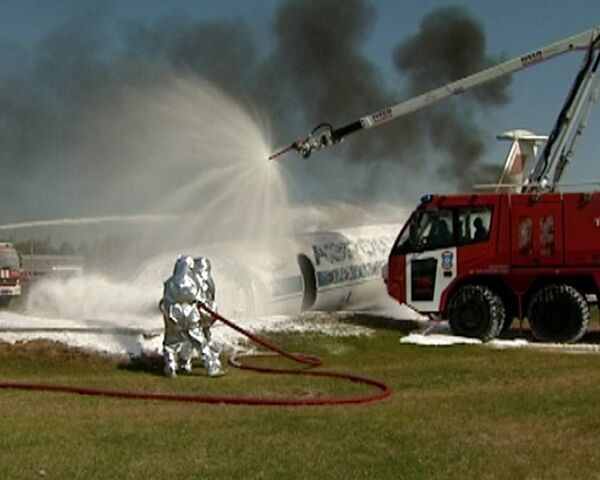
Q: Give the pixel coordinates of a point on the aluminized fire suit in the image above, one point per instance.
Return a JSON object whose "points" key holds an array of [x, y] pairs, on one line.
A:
{"points": [[183, 328], [206, 294]]}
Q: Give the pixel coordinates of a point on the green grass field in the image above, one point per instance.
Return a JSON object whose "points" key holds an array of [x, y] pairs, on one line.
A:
{"points": [[459, 412]]}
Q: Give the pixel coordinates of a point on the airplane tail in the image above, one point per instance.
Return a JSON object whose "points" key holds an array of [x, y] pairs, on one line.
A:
{"points": [[521, 158]]}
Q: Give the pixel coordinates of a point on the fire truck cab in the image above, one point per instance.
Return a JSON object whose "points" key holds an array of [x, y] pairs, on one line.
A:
{"points": [[480, 260], [11, 273]]}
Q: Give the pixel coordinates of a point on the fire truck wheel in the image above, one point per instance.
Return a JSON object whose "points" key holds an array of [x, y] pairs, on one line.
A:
{"points": [[558, 313], [476, 311], [4, 301]]}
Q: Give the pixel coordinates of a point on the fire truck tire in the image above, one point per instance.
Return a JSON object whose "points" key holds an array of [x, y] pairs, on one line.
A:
{"points": [[558, 313], [4, 301], [476, 311]]}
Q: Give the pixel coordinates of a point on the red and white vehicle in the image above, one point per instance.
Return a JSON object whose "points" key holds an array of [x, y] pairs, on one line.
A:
{"points": [[481, 259], [11, 273]]}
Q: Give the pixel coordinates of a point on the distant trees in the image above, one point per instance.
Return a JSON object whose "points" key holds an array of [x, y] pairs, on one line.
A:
{"points": [[109, 254], [34, 245]]}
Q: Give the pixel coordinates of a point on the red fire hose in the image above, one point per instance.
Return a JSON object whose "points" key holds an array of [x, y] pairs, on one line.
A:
{"points": [[382, 389]]}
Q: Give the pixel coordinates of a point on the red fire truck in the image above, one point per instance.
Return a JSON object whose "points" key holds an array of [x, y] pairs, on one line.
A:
{"points": [[11, 273], [482, 259], [525, 250]]}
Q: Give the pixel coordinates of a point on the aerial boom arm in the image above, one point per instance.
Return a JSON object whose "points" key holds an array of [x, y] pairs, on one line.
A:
{"points": [[569, 126], [325, 135]]}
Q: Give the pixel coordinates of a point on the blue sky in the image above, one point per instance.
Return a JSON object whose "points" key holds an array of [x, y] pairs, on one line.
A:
{"points": [[512, 27]]}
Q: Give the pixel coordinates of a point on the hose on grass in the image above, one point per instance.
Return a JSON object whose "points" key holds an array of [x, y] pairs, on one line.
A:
{"points": [[382, 390]]}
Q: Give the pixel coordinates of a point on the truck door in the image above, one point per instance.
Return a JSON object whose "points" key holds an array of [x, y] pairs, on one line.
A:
{"points": [[431, 266], [536, 231]]}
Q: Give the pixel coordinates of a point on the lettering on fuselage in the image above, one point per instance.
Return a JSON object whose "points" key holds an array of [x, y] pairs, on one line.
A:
{"points": [[349, 274], [349, 261], [352, 250]]}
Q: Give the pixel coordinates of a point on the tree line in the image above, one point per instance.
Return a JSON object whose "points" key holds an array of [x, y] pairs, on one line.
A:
{"points": [[104, 254]]}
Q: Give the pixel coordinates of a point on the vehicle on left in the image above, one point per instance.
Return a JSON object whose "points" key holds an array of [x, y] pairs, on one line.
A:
{"points": [[12, 274]]}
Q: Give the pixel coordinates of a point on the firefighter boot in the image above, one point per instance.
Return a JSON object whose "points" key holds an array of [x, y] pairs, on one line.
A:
{"points": [[170, 362]]}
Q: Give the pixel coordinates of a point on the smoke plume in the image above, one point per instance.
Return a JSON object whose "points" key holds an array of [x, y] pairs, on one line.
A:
{"points": [[321, 70], [63, 143], [450, 45]]}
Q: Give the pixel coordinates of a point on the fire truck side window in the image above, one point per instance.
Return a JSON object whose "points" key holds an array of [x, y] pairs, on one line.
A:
{"points": [[474, 225]]}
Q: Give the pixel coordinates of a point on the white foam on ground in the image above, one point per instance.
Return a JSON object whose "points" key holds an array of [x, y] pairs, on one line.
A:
{"points": [[557, 347], [99, 335], [437, 340], [110, 344], [114, 337], [438, 335]]}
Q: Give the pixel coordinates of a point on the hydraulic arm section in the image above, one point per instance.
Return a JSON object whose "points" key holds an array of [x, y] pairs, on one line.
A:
{"points": [[560, 147]]}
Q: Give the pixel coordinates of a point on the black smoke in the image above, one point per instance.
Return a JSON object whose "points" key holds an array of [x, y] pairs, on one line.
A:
{"points": [[450, 45], [321, 70], [317, 71], [223, 53]]}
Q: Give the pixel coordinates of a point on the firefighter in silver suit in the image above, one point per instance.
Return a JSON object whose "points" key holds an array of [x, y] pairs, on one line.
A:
{"points": [[206, 294], [182, 320], [178, 308]]}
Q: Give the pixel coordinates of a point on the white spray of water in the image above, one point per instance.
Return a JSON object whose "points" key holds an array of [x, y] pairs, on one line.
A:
{"points": [[205, 159], [182, 150], [64, 222], [94, 298]]}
